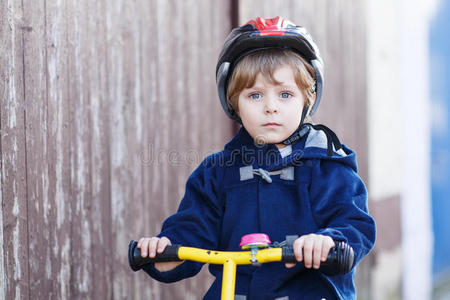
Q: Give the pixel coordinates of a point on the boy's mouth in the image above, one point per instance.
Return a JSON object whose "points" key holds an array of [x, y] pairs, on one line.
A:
{"points": [[271, 124]]}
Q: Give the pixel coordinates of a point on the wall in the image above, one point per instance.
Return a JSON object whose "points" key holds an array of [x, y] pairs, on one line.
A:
{"points": [[399, 147], [385, 141], [106, 107]]}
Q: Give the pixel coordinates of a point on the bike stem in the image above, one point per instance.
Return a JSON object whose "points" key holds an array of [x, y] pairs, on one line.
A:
{"points": [[228, 279]]}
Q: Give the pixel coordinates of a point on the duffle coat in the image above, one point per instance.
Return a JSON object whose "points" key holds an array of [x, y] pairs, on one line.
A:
{"points": [[226, 197]]}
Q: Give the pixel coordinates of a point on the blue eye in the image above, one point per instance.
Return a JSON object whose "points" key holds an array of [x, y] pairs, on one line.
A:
{"points": [[285, 95], [255, 96]]}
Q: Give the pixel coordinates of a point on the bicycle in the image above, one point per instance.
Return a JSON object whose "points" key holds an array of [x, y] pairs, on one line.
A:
{"points": [[259, 250]]}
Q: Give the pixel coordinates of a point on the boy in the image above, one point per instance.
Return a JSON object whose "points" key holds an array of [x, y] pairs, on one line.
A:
{"points": [[278, 175]]}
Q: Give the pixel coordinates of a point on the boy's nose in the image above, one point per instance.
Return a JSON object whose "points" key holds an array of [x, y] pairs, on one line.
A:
{"points": [[270, 107]]}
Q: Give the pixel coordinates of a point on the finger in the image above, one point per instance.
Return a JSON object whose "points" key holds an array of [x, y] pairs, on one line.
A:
{"points": [[163, 243], [140, 242], [144, 247], [327, 245], [289, 265], [152, 246], [167, 240], [317, 252], [298, 248], [308, 251]]}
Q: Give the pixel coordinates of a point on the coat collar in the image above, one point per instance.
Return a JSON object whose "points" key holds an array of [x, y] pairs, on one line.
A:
{"points": [[312, 145], [265, 156]]}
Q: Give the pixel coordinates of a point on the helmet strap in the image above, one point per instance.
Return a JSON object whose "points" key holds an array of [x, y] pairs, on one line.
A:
{"points": [[299, 132]]}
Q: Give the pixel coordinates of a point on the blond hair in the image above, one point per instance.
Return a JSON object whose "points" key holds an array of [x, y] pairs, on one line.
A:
{"points": [[265, 62]]}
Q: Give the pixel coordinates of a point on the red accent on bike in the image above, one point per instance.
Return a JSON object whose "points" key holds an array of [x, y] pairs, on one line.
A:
{"points": [[255, 239], [274, 26]]}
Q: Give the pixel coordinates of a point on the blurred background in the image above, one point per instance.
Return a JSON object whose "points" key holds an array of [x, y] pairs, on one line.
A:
{"points": [[108, 106]]}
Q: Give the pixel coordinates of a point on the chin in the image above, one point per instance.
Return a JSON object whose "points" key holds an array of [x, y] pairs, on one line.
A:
{"points": [[260, 139]]}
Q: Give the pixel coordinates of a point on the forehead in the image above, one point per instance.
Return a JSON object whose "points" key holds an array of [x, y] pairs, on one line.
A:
{"points": [[282, 75]]}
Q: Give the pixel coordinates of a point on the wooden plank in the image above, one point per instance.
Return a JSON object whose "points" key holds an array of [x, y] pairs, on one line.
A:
{"points": [[100, 206], [79, 79], [13, 235], [5, 48], [39, 208], [152, 180], [165, 92], [49, 169], [126, 130], [358, 68], [143, 289]]}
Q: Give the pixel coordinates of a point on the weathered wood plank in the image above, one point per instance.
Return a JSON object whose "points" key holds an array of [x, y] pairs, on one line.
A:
{"points": [[39, 215], [79, 80], [143, 289], [13, 235], [126, 130], [49, 172], [100, 209], [150, 216]]}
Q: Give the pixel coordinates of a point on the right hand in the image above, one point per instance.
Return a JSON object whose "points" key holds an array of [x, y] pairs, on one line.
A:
{"points": [[150, 246], [312, 249]]}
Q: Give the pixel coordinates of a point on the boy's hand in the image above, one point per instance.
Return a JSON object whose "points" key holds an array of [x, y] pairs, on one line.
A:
{"points": [[313, 249], [150, 246]]}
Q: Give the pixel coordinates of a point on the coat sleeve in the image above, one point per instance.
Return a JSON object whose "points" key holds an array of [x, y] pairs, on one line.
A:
{"points": [[339, 204], [197, 221]]}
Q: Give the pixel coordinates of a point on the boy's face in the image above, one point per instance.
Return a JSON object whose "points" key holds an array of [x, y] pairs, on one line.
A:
{"points": [[271, 113]]}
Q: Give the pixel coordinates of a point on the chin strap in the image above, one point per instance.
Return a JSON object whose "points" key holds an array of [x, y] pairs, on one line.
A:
{"points": [[332, 139], [300, 131]]}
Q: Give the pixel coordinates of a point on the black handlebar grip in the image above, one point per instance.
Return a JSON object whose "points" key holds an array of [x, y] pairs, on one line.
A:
{"points": [[339, 261], [136, 261]]}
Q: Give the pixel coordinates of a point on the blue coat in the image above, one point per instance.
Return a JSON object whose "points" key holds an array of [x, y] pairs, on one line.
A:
{"points": [[315, 193]]}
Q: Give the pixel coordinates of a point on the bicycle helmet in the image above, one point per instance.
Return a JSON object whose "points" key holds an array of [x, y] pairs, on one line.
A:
{"points": [[260, 34]]}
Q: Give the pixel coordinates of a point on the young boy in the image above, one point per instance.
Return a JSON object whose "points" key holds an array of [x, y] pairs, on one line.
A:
{"points": [[278, 175]]}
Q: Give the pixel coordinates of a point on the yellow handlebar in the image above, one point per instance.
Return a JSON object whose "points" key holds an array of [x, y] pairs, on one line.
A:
{"points": [[220, 257], [340, 260]]}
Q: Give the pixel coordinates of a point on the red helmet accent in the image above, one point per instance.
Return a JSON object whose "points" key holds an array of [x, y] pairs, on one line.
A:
{"points": [[274, 26]]}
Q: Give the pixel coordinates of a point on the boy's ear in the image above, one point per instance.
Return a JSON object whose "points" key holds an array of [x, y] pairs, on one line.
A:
{"points": [[314, 94], [313, 100]]}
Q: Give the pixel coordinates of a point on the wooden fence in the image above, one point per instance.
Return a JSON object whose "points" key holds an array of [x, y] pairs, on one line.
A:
{"points": [[106, 107]]}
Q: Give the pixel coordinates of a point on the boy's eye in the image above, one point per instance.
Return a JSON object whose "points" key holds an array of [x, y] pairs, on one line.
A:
{"points": [[286, 95], [255, 96]]}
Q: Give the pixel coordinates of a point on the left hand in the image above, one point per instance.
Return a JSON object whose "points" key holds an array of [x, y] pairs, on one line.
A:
{"points": [[313, 249]]}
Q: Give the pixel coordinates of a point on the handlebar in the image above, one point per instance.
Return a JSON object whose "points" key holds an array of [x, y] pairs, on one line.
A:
{"points": [[339, 260]]}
